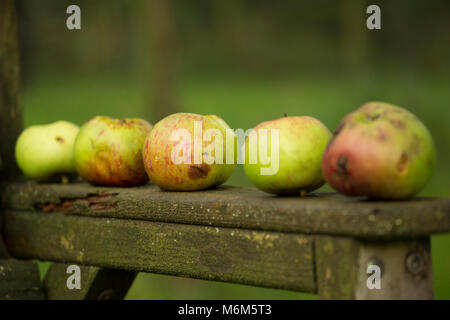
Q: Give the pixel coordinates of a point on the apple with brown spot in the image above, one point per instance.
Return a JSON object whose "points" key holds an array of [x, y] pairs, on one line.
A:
{"points": [[180, 152], [381, 151], [44, 153], [108, 151]]}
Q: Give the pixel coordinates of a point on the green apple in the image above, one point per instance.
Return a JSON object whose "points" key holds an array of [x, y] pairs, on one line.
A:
{"points": [[380, 151], [109, 151], [291, 162], [175, 161], [45, 152]]}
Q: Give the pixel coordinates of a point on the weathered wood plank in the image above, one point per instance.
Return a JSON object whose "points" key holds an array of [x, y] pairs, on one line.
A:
{"points": [[224, 254], [10, 109], [20, 280], [406, 270], [336, 267], [405, 265], [328, 214], [95, 283]]}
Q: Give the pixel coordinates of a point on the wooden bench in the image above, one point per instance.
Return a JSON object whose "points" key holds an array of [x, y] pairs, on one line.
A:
{"points": [[318, 244]]}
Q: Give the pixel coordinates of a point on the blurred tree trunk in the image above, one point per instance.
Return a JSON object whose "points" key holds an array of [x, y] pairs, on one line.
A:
{"points": [[10, 107], [160, 17], [354, 34], [25, 41]]}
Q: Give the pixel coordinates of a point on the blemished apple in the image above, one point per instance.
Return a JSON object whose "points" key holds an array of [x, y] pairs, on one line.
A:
{"points": [[108, 151], [44, 153], [380, 151], [175, 162], [301, 143]]}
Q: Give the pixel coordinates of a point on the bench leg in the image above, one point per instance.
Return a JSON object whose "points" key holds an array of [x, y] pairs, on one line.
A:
{"points": [[342, 268], [95, 283], [18, 279]]}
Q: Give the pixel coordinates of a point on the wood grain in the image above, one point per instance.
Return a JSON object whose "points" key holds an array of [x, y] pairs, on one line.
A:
{"points": [[259, 258], [326, 214]]}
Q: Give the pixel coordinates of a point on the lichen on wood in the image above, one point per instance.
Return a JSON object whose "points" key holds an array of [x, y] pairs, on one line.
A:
{"points": [[20, 280], [320, 213], [259, 258]]}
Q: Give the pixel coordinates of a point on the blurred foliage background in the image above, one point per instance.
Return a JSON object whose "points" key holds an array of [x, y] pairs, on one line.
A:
{"points": [[247, 61]]}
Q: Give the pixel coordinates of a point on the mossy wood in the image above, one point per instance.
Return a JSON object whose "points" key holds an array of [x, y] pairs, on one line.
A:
{"points": [[327, 214], [320, 244], [20, 280], [260, 258], [342, 268]]}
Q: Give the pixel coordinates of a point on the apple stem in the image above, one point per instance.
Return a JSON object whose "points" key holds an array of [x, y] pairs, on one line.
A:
{"points": [[285, 115]]}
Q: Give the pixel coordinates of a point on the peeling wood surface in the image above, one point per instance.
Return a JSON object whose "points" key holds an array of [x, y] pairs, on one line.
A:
{"points": [[327, 214], [258, 258], [95, 283]]}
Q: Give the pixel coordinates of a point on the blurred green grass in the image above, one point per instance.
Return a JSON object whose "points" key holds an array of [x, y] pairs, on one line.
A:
{"points": [[243, 103]]}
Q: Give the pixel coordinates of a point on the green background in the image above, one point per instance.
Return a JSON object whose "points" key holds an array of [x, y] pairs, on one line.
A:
{"points": [[246, 61]]}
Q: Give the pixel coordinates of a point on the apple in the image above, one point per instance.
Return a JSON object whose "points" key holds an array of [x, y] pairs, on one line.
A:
{"points": [[108, 151], [380, 151], [188, 152], [295, 146], [45, 152]]}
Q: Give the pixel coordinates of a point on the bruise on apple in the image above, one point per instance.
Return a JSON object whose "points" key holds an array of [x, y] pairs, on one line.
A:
{"points": [[109, 158], [402, 164], [397, 123], [103, 172], [373, 117], [198, 171], [341, 165], [384, 152], [382, 135]]}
